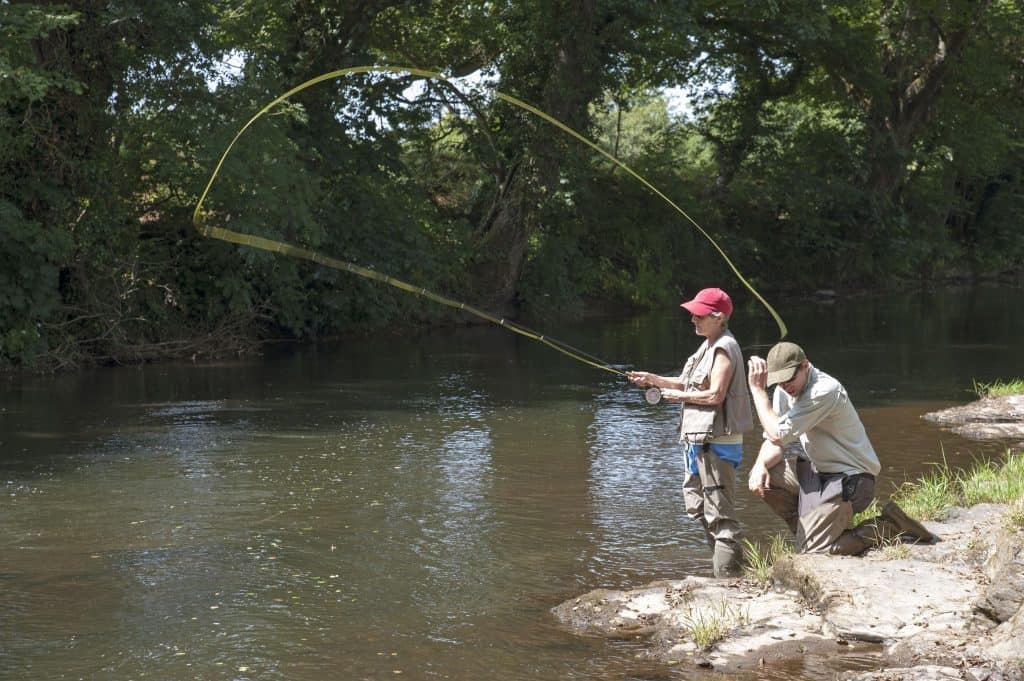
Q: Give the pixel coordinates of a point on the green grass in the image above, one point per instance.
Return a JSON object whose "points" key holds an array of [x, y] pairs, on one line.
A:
{"points": [[991, 483], [873, 509], [942, 487], [711, 624], [895, 551], [928, 497], [759, 560], [999, 388], [1015, 516]]}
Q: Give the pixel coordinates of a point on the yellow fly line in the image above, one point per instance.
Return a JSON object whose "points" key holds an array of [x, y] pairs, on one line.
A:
{"points": [[200, 222]]}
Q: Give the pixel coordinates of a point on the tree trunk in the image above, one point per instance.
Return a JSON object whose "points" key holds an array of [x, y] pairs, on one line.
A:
{"points": [[569, 86], [914, 87]]}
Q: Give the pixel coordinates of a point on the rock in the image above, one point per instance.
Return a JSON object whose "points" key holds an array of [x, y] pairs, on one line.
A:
{"points": [[930, 613], [1007, 641], [922, 673], [1004, 596], [990, 418], [877, 600]]}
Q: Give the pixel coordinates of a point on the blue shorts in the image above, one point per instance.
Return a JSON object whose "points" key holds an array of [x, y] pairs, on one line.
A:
{"points": [[731, 453]]}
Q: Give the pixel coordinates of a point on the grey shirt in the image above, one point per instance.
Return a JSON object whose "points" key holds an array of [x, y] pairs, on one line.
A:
{"points": [[827, 425]]}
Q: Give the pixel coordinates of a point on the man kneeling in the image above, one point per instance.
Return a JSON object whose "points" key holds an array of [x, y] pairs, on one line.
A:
{"points": [[816, 467]]}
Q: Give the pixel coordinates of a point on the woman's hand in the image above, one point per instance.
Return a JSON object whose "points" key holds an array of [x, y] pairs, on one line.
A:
{"points": [[672, 395], [640, 378]]}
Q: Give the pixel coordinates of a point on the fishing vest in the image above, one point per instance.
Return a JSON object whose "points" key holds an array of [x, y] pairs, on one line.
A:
{"points": [[701, 423]]}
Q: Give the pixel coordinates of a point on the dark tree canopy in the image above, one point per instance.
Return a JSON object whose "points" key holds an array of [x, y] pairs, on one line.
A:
{"points": [[850, 145]]}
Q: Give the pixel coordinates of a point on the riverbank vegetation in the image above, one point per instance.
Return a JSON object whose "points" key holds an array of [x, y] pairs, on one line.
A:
{"points": [[847, 146], [999, 388], [760, 559], [984, 482]]}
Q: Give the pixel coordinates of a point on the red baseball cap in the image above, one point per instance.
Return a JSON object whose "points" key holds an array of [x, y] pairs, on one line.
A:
{"points": [[709, 300]]}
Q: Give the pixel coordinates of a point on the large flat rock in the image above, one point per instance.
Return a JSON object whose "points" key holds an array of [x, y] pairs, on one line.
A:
{"points": [[927, 606]]}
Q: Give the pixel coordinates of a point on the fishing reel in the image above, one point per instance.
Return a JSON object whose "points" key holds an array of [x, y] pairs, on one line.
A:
{"points": [[652, 395]]}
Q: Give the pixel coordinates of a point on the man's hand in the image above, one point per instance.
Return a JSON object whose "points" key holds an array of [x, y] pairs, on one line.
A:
{"points": [[757, 373], [759, 479]]}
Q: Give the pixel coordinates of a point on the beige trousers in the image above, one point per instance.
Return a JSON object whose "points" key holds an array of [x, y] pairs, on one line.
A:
{"points": [[710, 498], [825, 528]]}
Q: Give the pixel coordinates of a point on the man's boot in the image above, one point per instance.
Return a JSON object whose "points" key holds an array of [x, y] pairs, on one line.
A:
{"points": [[907, 525], [869, 534]]}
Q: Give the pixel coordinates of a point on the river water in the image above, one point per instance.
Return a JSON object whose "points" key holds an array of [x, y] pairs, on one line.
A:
{"points": [[412, 507]]}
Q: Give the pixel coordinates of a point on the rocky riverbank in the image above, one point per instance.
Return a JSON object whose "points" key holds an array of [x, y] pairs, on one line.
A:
{"points": [[990, 418], [951, 610], [948, 610]]}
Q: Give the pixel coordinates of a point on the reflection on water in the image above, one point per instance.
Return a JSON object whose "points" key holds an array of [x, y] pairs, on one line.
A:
{"points": [[635, 487], [409, 506]]}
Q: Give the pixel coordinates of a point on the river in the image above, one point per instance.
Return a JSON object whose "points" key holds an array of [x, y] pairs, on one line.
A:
{"points": [[412, 507]]}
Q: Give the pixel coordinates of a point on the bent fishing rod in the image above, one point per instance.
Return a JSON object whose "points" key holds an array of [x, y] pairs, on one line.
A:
{"points": [[200, 220]]}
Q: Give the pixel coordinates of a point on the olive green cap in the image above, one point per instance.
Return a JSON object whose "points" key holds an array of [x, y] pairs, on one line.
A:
{"points": [[783, 361]]}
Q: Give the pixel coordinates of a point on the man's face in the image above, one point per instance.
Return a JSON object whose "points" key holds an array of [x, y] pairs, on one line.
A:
{"points": [[796, 385]]}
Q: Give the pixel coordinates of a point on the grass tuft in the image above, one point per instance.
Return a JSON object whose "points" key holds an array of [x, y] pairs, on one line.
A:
{"points": [[759, 560], [1015, 516], [942, 487], [896, 551], [988, 482], [874, 509], [928, 497], [711, 624], [999, 388]]}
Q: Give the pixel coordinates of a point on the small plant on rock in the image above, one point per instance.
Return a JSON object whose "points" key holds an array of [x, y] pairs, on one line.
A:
{"points": [[760, 560], [712, 623], [895, 550], [1015, 516]]}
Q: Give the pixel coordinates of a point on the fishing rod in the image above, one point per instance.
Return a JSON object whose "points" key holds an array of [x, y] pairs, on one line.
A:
{"points": [[336, 264], [200, 221]]}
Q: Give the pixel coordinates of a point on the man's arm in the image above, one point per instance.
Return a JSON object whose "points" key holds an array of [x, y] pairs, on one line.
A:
{"points": [[757, 379], [771, 450], [759, 477]]}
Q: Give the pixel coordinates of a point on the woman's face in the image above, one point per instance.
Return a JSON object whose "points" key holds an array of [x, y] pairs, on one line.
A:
{"points": [[707, 325]]}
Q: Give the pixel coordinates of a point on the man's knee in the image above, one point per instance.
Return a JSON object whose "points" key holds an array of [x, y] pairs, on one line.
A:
{"points": [[822, 527]]}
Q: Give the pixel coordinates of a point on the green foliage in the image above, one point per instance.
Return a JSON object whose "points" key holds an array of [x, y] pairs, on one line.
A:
{"points": [[984, 482], [834, 145], [31, 250], [29, 261], [999, 388], [759, 561], [711, 622]]}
